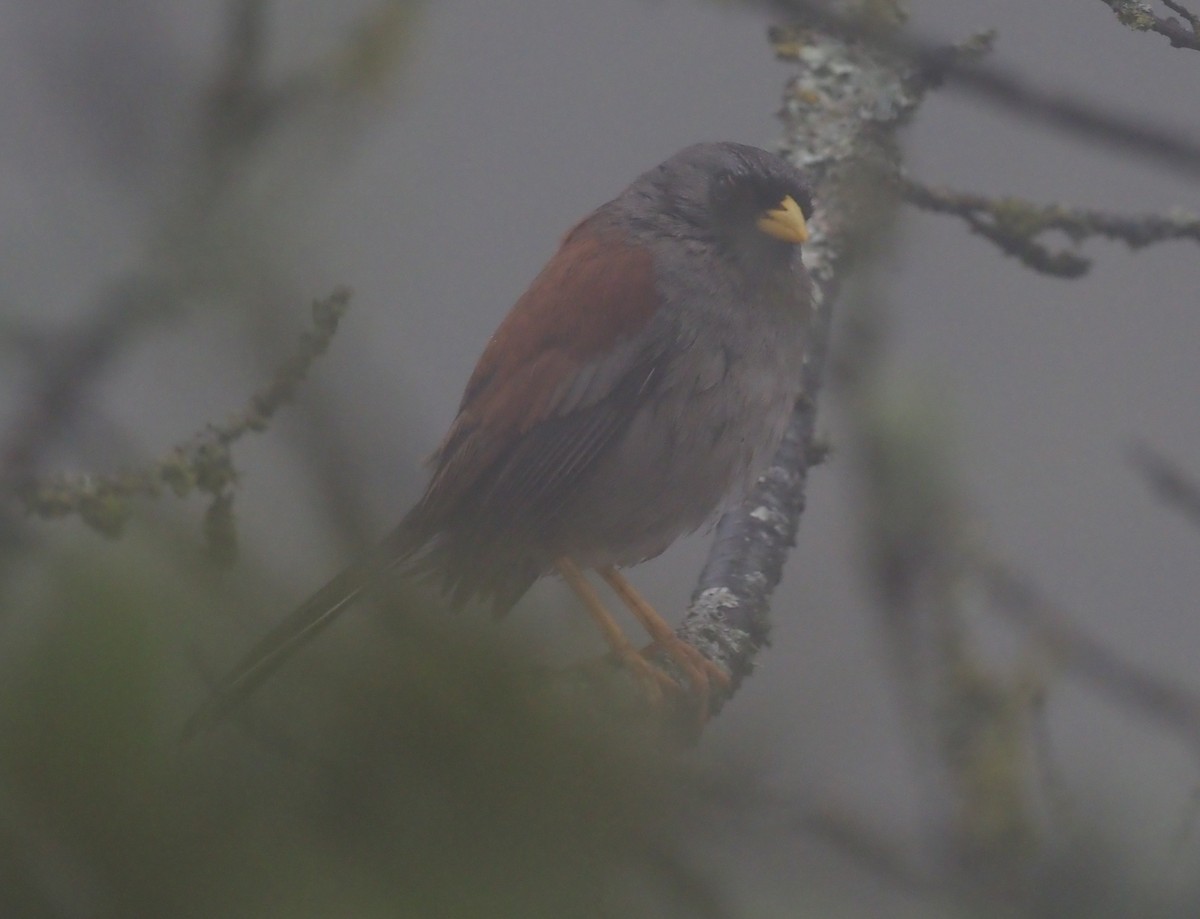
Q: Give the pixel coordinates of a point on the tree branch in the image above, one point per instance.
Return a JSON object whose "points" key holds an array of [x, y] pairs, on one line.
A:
{"points": [[67, 371], [1015, 226], [841, 112], [1170, 483], [1171, 149], [1138, 16], [1173, 705], [202, 463]]}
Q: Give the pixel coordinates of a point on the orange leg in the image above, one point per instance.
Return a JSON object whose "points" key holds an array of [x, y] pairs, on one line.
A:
{"points": [[650, 676], [700, 671]]}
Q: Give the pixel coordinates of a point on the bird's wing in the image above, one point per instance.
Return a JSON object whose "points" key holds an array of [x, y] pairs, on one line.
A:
{"points": [[555, 385]]}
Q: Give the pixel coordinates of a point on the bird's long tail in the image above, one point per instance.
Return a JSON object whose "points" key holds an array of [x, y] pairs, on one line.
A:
{"points": [[298, 628]]}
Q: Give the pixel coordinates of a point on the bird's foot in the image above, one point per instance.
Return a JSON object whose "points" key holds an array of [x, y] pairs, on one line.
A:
{"points": [[701, 673], [657, 684]]}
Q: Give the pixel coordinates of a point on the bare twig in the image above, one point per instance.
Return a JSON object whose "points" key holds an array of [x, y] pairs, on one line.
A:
{"points": [[242, 107], [1167, 480], [968, 721], [1016, 225], [68, 370], [200, 464], [1173, 705], [237, 100]]}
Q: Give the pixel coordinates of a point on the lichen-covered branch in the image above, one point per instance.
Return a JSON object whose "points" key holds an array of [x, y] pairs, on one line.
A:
{"points": [[1017, 226], [1171, 147], [202, 463], [841, 110], [1138, 15]]}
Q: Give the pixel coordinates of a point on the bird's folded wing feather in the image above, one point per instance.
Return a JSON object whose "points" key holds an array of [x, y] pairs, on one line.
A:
{"points": [[557, 382]]}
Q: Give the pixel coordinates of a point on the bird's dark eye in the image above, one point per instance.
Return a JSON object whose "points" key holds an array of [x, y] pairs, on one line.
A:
{"points": [[768, 196]]}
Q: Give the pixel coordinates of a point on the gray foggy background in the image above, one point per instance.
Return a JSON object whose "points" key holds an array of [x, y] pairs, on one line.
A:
{"points": [[438, 194]]}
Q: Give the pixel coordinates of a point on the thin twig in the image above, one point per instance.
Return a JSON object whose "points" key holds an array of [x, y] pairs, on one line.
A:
{"points": [[68, 370], [1169, 482], [1138, 16], [1016, 226], [1155, 696], [202, 463]]}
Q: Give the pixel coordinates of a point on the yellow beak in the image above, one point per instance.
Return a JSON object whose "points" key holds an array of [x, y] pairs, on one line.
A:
{"points": [[785, 222]]}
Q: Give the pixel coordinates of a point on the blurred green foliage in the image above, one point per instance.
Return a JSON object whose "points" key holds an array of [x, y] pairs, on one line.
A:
{"points": [[425, 773]]}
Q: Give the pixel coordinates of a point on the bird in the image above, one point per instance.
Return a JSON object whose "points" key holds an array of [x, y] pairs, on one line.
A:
{"points": [[639, 385]]}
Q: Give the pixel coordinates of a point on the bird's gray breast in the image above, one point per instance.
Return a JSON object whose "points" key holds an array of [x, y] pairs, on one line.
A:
{"points": [[729, 377]]}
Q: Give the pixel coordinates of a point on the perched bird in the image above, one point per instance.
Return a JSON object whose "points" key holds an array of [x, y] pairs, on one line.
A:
{"points": [[644, 378]]}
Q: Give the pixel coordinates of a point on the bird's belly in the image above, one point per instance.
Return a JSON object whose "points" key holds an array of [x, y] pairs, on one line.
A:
{"points": [[692, 447]]}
